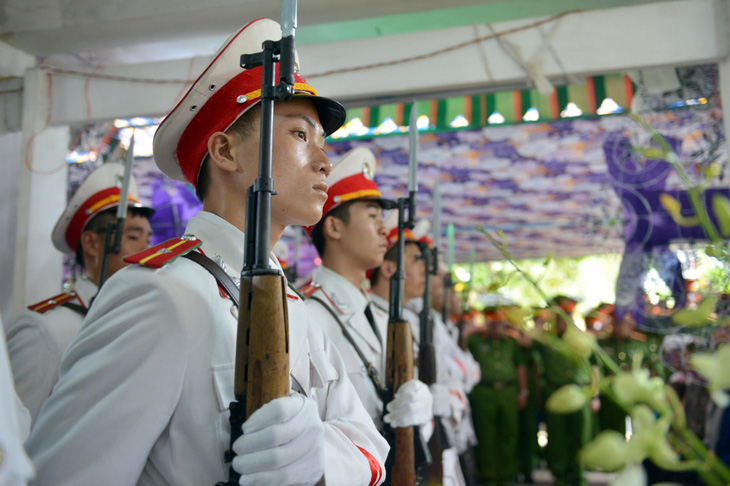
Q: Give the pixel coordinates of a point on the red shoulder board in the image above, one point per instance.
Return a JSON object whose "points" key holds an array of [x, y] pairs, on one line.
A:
{"points": [[308, 289], [165, 252], [55, 301]]}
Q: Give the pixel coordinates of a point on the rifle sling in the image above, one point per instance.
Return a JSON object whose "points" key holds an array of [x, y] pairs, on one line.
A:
{"points": [[223, 279], [80, 309], [372, 371], [230, 288]]}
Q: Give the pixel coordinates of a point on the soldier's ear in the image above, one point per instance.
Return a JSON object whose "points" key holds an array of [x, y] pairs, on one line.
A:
{"points": [[388, 269], [91, 244], [222, 152], [332, 228]]}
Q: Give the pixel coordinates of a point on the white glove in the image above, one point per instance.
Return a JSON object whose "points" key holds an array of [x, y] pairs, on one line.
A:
{"points": [[411, 405], [282, 444], [458, 403], [441, 400]]}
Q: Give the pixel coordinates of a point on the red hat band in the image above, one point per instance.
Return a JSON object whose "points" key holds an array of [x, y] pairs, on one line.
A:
{"points": [[92, 206], [392, 236], [218, 113], [425, 239], [356, 186], [568, 307]]}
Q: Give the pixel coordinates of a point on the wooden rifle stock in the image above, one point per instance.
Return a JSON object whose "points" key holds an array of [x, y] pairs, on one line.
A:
{"points": [[262, 347], [399, 369]]}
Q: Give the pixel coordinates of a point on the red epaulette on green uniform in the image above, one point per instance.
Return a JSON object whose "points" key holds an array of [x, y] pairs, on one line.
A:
{"points": [[165, 252], [308, 289], [53, 302]]}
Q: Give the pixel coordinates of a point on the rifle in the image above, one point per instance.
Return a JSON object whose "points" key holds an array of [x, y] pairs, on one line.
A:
{"points": [[114, 231], [399, 353], [448, 282], [262, 342], [465, 302], [439, 441]]}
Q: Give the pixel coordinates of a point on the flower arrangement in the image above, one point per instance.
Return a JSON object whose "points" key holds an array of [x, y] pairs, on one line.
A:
{"points": [[660, 430]]}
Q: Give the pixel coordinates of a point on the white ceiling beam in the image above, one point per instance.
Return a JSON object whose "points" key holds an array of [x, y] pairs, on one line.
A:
{"points": [[673, 33]]}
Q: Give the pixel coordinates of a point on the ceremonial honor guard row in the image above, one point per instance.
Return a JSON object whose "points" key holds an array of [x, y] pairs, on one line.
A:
{"points": [[132, 377]]}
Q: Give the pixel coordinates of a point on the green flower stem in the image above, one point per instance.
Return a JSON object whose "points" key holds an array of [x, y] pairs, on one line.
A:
{"points": [[607, 360], [679, 420], [713, 463]]}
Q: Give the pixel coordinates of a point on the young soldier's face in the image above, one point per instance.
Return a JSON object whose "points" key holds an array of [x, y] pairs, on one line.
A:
{"points": [[437, 291], [136, 237], [415, 270], [363, 236], [300, 165]]}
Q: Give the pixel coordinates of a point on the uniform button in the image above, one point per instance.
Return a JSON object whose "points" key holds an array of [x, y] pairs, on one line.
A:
{"points": [[496, 354], [652, 347], [622, 355], [498, 365]]}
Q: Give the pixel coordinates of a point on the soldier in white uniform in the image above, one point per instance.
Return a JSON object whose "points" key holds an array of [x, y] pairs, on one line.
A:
{"points": [[15, 466], [461, 372], [145, 387], [414, 267], [351, 239], [40, 335]]}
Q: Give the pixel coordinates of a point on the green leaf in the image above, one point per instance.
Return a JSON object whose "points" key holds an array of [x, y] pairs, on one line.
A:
{"points": [[654, 153], [721, 207]]}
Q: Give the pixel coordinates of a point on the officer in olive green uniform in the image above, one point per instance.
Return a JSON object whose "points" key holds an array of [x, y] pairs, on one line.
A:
{"points": [[495, 401], [623, 344], [567, 433], [527, 446]]}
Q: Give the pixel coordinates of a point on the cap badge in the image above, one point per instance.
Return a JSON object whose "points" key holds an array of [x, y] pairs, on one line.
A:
{"points": [[366, 171]]}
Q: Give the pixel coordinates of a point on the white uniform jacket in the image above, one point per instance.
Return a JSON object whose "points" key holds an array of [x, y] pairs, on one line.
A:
{"points": [[145, 387], [349, 303], [461, 372], [36, 343], [15, 466]]}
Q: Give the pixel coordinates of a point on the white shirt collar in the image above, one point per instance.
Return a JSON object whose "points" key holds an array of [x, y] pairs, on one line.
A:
{"points": [[342, 291], [221, 239]]}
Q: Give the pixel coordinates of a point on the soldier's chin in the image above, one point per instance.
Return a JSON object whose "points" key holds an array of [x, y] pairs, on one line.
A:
{"points": [[311, 217]]}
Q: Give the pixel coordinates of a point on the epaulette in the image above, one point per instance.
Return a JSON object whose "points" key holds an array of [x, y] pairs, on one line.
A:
{"points": [[165, 252], [308, 289], [638, 336], [48, 304], [512, 333], [297, 295]]}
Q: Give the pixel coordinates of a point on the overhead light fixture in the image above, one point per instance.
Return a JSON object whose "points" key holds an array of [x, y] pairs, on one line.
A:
{"points": [[570, 111], [388, 126], [459, 122], [608, 106], [495, 118], [531, 115]]}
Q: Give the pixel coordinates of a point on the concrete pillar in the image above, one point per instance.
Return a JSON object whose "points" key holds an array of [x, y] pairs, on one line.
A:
{"points": [[723, 67], [10, 155], [42, 186]]}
